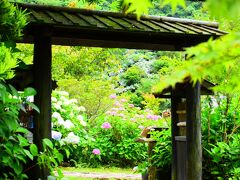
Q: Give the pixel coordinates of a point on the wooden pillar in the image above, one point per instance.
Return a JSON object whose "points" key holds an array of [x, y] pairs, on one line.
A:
{"points": [[152, 170], [174, 120], [43, 86], [194, 147]]}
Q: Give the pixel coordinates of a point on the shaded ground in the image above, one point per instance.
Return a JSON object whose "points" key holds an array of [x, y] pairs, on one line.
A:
{"points": [[102, 176]]}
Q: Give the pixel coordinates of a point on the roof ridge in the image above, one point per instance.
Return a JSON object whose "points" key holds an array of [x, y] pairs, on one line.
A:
{"points": [[118, 14]]}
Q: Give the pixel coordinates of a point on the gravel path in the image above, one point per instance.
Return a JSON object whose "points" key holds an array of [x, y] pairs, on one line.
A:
{"points": [[103, 176]]}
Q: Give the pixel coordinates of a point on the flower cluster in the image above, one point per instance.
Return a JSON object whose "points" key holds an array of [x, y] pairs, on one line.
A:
{"points": [[127, 111], [71, 139], [67, 118], [153, 117], [96, 151], [106, 125], [60, 121], [56, 135]]}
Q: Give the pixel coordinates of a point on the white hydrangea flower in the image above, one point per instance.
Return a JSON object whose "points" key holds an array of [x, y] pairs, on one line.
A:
{"points": [[63, 93], [71, 139], [63, 110], [83, 123], [61, 121], [54, 99], [56, 106], [56, 115], [66, 102], [80, 117], [68, 124], [81, 108], [73, 100], [60, 103]]}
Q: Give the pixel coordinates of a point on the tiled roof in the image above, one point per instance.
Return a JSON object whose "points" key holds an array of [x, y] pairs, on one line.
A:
{"points": [[72, 18]]}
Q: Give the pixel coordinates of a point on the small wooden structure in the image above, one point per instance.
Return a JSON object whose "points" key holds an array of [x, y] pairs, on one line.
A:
{"points": [[50, 25], [186, 127]]}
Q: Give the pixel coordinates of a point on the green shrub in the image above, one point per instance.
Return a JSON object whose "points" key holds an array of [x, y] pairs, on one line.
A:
{"points": [[220, 119], [163, 150], [224, 159], [91, 93], [132, 76]]}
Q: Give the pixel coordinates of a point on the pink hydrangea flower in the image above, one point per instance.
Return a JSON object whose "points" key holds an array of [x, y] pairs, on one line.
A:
{"points": [[121, 109], [113, 113], [121, 115], [123, 100], [153, 117], [149, 116], [96, 151], [106, 125], [113, 96], [131, 105], [117, 103]]}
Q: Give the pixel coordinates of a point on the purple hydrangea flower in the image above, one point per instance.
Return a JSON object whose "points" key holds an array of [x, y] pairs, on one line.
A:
{"points": [[56, 135]]}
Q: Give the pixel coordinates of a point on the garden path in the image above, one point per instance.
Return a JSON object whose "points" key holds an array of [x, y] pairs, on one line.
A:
{"points": [[102, 176]]}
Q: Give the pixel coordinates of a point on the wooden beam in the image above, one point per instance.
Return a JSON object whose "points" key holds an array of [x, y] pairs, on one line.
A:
{"points": [[194, 148], [174, 120], [43, 86]]}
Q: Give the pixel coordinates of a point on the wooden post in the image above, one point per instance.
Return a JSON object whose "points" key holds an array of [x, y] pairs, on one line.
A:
{"points": [[43, 86], [174, 120], [194, 148], [152, 170]]}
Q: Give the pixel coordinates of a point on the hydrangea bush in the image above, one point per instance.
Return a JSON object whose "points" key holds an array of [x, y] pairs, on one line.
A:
{"points": [[68, 122], [109, 139]]}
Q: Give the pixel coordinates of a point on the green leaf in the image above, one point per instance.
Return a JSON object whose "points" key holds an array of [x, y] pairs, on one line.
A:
{"points": [[29, 92], [59, 157], [67, 153], [34, 149], [47, 142], [22, 141], [60, 174], [18, 168], [12, 124], [13, 90], [28, 154], [227, 9], [22, 130], [139, 7], [33, 106]]}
